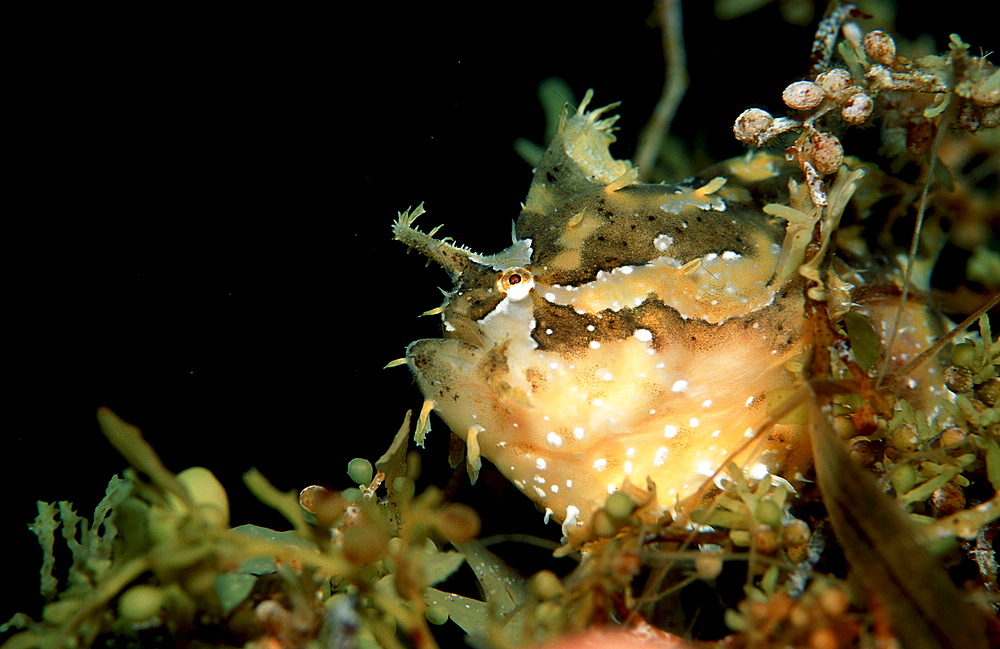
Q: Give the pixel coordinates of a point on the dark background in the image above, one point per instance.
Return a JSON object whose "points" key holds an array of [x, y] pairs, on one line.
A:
{"points": [[199, 236]]}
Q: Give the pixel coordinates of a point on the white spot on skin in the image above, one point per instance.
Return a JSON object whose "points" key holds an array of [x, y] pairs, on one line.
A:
{"points": [[569, 484], [594, 344], [600, 464], [548, 515], [607, 376], [679, 386], [662, 242], [551, 297], [540, 492], [578, 432], [694, 422], [748, 432], [612, 488], [590, 327], [538, 479], [670, 430], [540, 464], [630, 452], [554, 440], [554, 488], [627, 467], [749, 402], [729, 254], [548, 332], [758, 471], [707, 403], [661, 456], [705, 469], [716, 433], [553, 365], [643, 335]]}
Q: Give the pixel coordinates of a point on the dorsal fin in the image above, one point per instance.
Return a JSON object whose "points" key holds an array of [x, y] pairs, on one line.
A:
{"points": [[577, 159]]}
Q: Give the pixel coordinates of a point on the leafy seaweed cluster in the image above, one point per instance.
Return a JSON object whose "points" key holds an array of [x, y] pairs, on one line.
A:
{"points": [[159, 562]]}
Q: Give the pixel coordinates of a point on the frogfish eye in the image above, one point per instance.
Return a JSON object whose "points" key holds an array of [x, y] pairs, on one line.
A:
{"points": [[515, 282]]}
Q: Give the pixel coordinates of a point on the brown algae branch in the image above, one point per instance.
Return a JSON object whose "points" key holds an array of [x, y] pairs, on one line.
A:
{"points": [[943, 340], [675, 85]]}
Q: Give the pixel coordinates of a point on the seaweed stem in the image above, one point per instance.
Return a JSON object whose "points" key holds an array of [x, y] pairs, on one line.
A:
{"points": [[912, 255], [945, 339], [675, 84]]}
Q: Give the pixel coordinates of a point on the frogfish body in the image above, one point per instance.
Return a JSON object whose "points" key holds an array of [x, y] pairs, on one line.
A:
{"points": [[631, 334]]}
